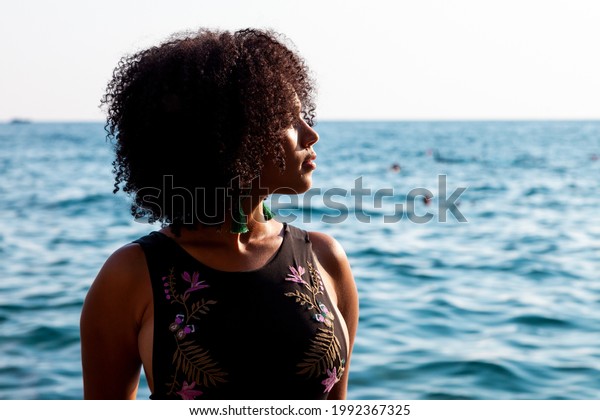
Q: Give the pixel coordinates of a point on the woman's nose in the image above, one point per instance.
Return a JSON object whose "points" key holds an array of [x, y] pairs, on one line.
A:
{"points": [[309, 135]]}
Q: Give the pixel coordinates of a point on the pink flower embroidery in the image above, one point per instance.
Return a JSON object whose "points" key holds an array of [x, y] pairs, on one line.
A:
{"points": [[166, 284], [177, 323], [195, 284], [296, 275], [325, 316], [331, 380], [187, 391], [188, 329]]}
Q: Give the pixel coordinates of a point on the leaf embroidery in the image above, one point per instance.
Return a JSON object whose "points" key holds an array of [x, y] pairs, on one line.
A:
{"points": [[301, 298], [192, 363], [315, 278], [324, 350], [196, 364], [201, 307], [323, 356]]}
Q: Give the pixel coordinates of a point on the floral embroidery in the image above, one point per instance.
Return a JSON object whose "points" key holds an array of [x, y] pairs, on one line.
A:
{"points": [[296, 275], [194, 283], [187, 391], [325, 316], [179, 318], [185, 331], [192, 363], [166, 279], [323, 356], [331, 380]]}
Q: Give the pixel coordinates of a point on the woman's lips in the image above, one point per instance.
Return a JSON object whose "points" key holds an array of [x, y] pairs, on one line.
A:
{"points": [[310, 162]]}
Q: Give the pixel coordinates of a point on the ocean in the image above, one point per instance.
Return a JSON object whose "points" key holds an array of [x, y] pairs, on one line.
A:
{"points": [[477, 257]]}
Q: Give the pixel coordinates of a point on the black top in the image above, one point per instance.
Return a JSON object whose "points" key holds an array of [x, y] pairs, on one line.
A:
{"points": [[269, 333]]}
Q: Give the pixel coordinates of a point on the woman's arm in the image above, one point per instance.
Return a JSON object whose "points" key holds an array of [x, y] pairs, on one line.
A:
{"points": [[110, 323], [333, 260]]}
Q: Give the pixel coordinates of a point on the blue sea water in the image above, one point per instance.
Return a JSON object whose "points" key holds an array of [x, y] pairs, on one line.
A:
{"points": [[504, 304]]}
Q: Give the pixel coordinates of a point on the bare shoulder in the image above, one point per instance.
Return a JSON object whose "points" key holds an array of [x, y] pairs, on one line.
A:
{"points": [[127, 260], [125, 264], [110, 322], [333, 259], [120, 281], [328, 250]]}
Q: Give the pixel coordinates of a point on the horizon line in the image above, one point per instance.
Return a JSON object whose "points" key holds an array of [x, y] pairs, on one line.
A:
{"points": [[26, 121]]}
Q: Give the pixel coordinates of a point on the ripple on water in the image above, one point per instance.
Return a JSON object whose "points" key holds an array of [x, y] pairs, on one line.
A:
{"points": [[41, 338], [540, 321]]}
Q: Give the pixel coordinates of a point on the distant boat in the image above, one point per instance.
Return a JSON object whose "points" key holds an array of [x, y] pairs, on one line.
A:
{"points": [[19, 121]]}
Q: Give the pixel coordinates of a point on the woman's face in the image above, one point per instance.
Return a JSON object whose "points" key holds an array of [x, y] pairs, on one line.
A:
{"points": [[299, 160]]}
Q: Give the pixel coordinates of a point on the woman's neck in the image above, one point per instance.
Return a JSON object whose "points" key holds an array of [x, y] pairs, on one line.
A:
{"points": [[259, 227]]}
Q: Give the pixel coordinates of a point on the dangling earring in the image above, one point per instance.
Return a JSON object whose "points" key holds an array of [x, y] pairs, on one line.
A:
{"points": [[267, 212], [239, 225]]}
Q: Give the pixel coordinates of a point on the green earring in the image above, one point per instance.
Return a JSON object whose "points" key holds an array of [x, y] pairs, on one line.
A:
{"points": [[239, 226], [267, 212]]}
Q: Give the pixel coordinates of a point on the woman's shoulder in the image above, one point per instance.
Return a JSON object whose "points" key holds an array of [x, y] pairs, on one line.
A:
{"points": [[332, 257], [111, 318], [120, 282], [127, 261], [328, 249]]}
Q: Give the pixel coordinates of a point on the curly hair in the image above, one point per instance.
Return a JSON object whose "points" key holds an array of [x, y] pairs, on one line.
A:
{"points": [[202, 108]]}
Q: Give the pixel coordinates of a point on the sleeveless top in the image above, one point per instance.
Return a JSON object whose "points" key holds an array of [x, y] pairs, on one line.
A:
{"points": [[269, 333]]}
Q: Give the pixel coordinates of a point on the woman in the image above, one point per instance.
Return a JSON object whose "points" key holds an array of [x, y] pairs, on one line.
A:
{"points": [[224, 302]]}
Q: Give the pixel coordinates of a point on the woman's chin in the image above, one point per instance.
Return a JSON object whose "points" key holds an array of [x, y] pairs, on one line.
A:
{"points": [[298, 188]]}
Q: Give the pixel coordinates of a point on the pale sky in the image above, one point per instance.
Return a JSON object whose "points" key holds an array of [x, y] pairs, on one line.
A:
{"points": [[382, 60]]}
